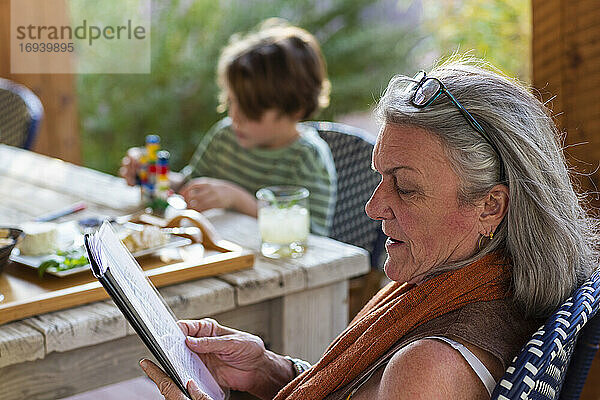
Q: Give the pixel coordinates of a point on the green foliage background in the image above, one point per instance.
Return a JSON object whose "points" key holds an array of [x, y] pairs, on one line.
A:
{"points": [[178, 99], [497, 30], [365, 42]]}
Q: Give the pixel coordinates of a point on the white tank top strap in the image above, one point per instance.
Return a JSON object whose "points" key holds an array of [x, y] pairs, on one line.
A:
{"points": [[482, 372]]}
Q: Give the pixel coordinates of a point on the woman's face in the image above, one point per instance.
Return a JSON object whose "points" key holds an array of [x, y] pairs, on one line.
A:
{"points": [[417, 202]]}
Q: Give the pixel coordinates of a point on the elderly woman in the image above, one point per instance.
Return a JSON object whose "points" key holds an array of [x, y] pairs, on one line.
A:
{"points": [[486, 236]]}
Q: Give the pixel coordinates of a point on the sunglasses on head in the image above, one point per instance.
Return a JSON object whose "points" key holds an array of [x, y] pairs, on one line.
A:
{"points": [[428, 89]]}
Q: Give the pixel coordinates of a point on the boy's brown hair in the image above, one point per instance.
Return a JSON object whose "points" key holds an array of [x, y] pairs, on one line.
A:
{"points": [[277, 67]]}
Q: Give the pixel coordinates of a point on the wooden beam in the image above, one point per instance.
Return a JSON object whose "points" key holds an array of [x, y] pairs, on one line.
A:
{"points": [[566, 64], [59, 131]]}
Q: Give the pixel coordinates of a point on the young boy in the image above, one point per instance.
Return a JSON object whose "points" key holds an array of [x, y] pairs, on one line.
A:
{"points": [[269, 80]]}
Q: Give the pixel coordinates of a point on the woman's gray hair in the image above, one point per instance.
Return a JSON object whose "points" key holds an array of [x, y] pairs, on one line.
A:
{"points": [[551, 241]]}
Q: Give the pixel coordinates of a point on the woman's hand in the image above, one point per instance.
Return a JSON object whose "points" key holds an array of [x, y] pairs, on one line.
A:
{"points": [[205, 193], [167, 387], [237, 359], [130, 164]]}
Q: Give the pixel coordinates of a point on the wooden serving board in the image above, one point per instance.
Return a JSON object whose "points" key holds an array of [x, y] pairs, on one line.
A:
{"points": [[26, 295]]}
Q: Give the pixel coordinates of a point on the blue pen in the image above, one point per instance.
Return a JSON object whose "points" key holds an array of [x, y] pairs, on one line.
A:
{"points": [[79, 206]]}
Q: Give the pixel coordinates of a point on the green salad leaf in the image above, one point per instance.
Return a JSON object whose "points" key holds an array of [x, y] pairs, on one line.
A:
{"points": [[64, 260]]}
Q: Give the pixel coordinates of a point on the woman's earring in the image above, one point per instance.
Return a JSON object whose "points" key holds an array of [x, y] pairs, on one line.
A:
{"points": [[490, 236]]}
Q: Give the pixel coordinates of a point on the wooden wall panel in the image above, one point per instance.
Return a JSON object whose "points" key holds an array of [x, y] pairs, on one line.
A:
{"points": [[59, 132], [566, 63]]}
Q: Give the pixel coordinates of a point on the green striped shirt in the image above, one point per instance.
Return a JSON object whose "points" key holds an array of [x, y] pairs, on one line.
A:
{"points": [[306, 162]]}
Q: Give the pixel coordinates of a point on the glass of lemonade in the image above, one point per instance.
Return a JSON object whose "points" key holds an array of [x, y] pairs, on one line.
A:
{"points": [[283, 220]]}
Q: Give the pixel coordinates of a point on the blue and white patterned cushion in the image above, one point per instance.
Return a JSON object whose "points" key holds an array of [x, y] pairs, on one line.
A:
{"points": [[540, 369], [352, 149], [20, 114]]}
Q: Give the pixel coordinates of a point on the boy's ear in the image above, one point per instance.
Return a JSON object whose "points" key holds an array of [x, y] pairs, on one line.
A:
{"points": [[495, 207], [297, 116]]}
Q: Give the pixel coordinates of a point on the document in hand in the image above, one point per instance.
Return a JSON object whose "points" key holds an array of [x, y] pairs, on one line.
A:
{"points": [[146, 311]]}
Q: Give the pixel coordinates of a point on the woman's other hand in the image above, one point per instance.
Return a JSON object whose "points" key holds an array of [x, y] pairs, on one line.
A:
{"points": [[130, 164], [237, 360], [167, 387]]}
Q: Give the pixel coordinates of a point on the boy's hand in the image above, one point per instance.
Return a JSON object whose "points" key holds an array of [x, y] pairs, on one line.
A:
{"points": [[205, 193], [130, 164]]}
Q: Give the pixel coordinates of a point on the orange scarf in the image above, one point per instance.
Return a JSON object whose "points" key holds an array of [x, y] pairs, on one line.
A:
{"points": [[392, 313]]}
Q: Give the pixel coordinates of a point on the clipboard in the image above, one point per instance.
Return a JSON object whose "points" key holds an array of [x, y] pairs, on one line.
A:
{"points": [[145, 309]]}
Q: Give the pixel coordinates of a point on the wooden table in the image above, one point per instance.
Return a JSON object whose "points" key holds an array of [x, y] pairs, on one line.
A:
{"points": [[296, 306]]}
